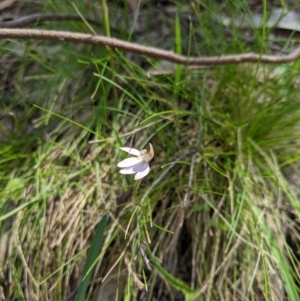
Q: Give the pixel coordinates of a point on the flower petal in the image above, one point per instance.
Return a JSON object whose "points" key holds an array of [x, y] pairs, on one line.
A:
{"points": [[147, 155], [142, 172], [151, 150], [127, 171], [129, 162], [134, 169], [131, 151]]}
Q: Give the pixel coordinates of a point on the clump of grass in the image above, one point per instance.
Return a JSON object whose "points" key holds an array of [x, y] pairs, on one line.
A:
{"points": [[226, 138]]}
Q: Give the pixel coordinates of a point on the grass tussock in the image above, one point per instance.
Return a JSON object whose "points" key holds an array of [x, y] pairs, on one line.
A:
{"points": [[217, 218]]}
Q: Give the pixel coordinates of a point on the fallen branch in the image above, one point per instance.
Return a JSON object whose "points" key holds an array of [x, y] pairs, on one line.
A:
{"points": [[74, 37]]}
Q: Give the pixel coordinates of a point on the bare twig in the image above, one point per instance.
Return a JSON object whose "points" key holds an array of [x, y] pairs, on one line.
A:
{"points": [[75, 37]]}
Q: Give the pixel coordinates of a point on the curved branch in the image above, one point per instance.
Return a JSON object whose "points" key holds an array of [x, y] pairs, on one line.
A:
{"points": [[74, 37]]}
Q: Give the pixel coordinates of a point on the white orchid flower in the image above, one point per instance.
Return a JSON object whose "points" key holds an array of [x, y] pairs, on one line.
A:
{"points": [[138, 165]]}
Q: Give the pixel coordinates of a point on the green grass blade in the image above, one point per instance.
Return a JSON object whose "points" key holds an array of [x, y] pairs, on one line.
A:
{"points": [[91, 257], [171, 280], [178, 71], [282, 263]]}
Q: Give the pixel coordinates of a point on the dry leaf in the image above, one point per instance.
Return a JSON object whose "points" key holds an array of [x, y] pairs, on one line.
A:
{"points": [[279, 19], [6, 3]]}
